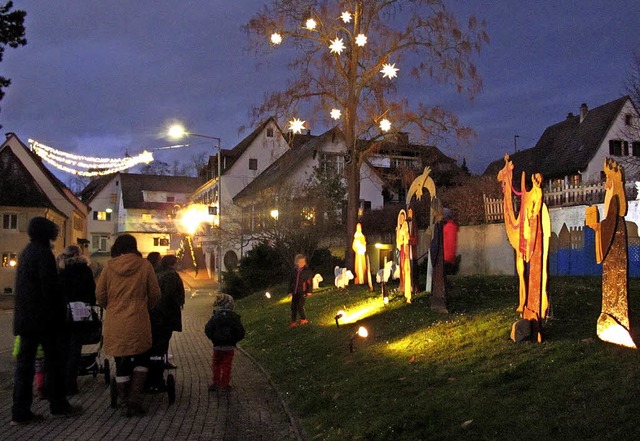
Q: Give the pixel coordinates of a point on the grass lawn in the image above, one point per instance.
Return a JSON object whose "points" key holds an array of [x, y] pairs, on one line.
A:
{"points": [[426, 376]]}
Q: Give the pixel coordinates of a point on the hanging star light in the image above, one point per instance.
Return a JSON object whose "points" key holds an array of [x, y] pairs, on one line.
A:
{"points": [[276, 38], [336, 114], [311, 24], [385, 125], [337, 46], [296, 125], [361, 40], [87, 165], [389, 71], [346, 16]]}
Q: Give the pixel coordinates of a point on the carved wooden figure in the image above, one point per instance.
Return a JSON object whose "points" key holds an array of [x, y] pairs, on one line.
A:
{"points": [[402, 243], [436, 251], [360, 247], [611, 251]]}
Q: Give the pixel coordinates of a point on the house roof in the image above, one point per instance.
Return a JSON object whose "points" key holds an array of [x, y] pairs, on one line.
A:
{"points": [[133, 185], [567, 147], [17, 186], [27, 200], [94, 187], [285, 164]]}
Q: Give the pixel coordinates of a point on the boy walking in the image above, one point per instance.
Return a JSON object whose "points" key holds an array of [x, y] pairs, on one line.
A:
{"points": [[300, 286], [225, 330]]}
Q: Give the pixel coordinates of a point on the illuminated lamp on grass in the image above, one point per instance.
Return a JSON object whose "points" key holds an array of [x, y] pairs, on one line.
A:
{"points": [[267, 295], [339, 315], [362, 333]]}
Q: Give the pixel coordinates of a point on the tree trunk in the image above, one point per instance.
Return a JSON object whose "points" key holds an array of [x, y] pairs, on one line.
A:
{"points": [[353, 203]]}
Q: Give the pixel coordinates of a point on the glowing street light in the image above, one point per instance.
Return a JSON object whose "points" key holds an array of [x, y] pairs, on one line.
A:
{"points": [[362, 333], [178, 131]]}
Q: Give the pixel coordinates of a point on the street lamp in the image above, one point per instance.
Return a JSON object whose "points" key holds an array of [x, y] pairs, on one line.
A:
{"points": [[178, 131]]}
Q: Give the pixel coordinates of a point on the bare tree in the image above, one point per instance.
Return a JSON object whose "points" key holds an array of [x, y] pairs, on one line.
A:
{"points": [[347, 53]]}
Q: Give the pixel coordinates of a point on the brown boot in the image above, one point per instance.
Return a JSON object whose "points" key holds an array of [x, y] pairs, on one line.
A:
{"points": [[123, 392], [134, 403]]}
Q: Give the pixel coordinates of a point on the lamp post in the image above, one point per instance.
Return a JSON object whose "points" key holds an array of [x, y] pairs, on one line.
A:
{"points": [[177, 131]]}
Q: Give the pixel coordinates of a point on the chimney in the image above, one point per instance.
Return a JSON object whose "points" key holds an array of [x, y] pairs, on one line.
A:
{"points": [[583, 112], [570, 115]]}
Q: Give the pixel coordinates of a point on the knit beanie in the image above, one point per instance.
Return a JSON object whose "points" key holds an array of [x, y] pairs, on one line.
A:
{"points": [[224, 301]]}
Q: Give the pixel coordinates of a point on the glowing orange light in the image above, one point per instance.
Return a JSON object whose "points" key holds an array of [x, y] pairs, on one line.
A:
{"points": [[190, 218]]}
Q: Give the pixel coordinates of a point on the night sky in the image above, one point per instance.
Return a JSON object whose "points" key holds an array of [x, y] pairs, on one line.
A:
{"points": [[98, 77]]}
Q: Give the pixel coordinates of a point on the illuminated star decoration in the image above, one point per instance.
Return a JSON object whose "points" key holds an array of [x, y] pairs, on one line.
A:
{"points": [[296, 125], [276, 38], [346, 16], [337, 46], [336, 113], [389, 71], [361, 40], [311, 24], [385, 125]]}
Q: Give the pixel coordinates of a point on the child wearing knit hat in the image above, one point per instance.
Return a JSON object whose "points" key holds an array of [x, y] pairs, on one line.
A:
{"points": [[225, 330]]}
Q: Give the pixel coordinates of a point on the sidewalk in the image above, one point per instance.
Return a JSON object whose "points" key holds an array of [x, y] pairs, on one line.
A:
{"points": [[251, 411]]}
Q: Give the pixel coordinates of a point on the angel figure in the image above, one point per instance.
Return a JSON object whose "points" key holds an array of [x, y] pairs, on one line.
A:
{"points": [[360, 248], [402, 243]]}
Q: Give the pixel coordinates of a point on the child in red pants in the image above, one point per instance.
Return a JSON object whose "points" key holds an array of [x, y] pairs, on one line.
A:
{"points": [[224, 329]]}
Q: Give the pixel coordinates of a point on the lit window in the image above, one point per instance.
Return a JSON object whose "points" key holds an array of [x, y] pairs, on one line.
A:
{"points": [[10, 221], [101, 216], [113, 197], [253, 164], [160, 242], [9, 260], [146, 217]]}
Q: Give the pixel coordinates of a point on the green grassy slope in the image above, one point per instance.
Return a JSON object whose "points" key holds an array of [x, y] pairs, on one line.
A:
{"points": [[420, 375]]}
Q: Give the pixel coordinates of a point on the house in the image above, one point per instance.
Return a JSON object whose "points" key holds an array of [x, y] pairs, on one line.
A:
{"points": [[573, 151], [27, 190], [296, 167], [141, 205], [240, 166]]}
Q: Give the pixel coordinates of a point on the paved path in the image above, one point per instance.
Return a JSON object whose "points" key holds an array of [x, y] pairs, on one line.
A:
{"points": [[251, 411]]}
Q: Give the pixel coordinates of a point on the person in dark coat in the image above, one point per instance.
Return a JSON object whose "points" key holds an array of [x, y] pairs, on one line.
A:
{"points": [[225, 330], [300, 286], [154, 258], [78, 285], [165, 319], [39, 318]]}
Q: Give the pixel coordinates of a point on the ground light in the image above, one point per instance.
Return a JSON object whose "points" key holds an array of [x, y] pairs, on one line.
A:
{"points": [[362, 333], [339, 315], [267, 295]]}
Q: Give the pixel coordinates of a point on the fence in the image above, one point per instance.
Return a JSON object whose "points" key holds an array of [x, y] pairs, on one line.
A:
{"points": [[555, 196]]}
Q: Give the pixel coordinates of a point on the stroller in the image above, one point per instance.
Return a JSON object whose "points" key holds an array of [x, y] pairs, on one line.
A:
{"points": [[87, 323]]}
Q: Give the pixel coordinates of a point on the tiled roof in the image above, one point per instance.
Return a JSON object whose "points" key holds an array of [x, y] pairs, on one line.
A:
{"points": [[134, 184], [566, 147]]}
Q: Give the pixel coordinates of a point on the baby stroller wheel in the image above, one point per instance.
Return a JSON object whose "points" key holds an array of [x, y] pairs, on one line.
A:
{"points": [[107, 373], [113, 394], [171, 388]]}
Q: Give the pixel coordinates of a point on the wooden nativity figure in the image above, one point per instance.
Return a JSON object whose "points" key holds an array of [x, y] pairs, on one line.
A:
{"points": [[402, 243], [611, 251], [436, 251], [413, 248], [360, 248]]}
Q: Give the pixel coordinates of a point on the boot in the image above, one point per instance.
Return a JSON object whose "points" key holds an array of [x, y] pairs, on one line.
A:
{"points": [[134, 404], [123, 392]]}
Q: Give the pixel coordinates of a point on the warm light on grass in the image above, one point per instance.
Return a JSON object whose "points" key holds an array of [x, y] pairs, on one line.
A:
{"points": [[267, 295], [362, 332]]}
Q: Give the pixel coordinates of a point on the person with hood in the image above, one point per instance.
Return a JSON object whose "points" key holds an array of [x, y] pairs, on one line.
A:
{"points": [[225, 330], [165, 319], [128, 290], [40, 314], [76, 282]]}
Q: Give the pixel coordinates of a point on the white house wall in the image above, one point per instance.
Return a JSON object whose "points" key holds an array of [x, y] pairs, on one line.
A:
{"points": [[618, 131], [103, 201]]}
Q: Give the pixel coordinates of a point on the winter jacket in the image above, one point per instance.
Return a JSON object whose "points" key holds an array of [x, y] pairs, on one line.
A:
{"points": [[167, 314], [39, 304], [301, 282], [76, 281], [224, 328], [128, 290]]}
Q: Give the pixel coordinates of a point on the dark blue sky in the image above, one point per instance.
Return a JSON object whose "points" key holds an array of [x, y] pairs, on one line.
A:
{"points": [[103, 76]]}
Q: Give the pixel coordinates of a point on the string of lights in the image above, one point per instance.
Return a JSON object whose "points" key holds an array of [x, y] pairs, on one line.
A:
{"points": [[87, 165]]}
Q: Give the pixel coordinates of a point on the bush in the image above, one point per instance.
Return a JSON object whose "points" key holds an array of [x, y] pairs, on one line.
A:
{"points": [[323, 262], [233, 285], [261, 267]]}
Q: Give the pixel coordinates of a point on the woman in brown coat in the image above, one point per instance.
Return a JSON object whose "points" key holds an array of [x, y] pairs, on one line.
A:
{"points": [[128, 289]]}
